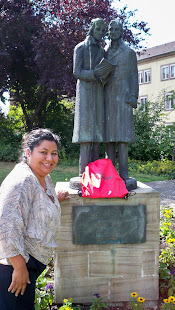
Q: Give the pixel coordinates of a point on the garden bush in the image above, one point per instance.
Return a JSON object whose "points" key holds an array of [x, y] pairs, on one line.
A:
{"points": [[10, 139], [9, 152], [162, 168]]}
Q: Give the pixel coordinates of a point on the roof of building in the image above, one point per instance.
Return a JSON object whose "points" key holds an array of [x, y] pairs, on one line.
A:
{"points": [[156, 51]]}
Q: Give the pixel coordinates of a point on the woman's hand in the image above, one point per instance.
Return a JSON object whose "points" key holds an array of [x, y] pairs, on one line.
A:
{"points": [[62, 195], [20, 276]]}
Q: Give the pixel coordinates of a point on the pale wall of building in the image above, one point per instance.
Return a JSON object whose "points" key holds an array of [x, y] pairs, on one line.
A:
{"points": [[156, 89]]}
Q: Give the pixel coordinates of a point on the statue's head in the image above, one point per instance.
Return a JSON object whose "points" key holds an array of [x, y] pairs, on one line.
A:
{"points": [[97, 28], [115, 29]]}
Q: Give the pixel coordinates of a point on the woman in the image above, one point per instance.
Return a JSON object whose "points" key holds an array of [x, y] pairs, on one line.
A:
{"points": [[29, 220]]}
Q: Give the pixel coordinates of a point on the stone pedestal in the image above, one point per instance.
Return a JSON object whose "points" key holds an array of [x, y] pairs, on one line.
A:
{"points": [[113, 270]]}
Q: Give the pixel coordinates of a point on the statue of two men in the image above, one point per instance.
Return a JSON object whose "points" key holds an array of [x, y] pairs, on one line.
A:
{"points": [[105, 102]]}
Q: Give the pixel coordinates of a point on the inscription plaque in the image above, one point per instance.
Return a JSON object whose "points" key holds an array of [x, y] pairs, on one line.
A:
{"points": [[109, 224]]}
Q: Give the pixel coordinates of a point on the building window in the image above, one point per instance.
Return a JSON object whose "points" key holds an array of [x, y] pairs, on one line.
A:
{"points": [[169, 129], [165, 72], [143, 102], [147, 76], [172, 71], [140, 77], [169, 101], [144, 76]]}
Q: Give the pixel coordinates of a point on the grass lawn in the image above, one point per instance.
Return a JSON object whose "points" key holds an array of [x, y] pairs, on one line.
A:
{"points": [[60, 174], [148, 177], [64, 172], [5, 168]]}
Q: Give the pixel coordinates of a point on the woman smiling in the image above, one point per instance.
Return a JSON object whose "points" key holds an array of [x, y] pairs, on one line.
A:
{"points": [[29, 220]]}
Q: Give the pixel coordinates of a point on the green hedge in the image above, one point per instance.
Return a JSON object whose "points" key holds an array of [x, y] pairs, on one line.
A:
{"points": [[162, 168], [9, 152]]}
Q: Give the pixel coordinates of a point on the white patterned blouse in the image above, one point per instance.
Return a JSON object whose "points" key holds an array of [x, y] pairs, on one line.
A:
{"points": [[29, 220]]}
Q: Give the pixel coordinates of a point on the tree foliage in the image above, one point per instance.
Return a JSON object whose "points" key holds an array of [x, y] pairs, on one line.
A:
{"points": [[19, 72], [154, 140], [36, 52], [10, 139]]}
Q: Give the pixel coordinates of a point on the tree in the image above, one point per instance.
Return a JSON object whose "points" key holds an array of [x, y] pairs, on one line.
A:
{"points": [[18, 69], [153, 140], [60, 119], [73, 17], [10, 139], [37, 40]]}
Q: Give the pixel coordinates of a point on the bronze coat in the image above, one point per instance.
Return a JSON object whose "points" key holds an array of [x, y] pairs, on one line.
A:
{"points": [[89, 106], [122, 84]]}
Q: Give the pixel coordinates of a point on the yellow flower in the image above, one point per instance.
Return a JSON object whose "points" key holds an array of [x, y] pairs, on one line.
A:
{"points": [[68, 308], [70, 299], [171, 240], [168, 211], [140, 299], [65, 300], [134, 294], [167, 223], [166, 301], [171, 298]]}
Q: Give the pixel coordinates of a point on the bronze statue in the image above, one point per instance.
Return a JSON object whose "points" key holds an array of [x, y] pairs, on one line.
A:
{"points": [[106, 93], [121, 93], [89, 106]]}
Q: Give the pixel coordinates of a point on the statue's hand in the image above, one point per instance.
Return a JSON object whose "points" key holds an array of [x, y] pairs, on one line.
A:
{"points": [[99, 72], [133, 104], [132, 100]]}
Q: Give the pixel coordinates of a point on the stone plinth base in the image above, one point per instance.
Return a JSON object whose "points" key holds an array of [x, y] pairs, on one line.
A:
{"points": [[115, 270]]}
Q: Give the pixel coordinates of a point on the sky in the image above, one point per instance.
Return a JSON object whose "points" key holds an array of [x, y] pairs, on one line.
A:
{"points": [[160, 15], [5, 107]]}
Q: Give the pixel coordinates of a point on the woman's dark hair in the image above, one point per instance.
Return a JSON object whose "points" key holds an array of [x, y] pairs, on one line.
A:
{"points": [[34, 138]]}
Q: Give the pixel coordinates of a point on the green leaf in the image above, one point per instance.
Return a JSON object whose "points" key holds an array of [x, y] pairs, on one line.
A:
{"points": [[37, 307], [170, 292]]}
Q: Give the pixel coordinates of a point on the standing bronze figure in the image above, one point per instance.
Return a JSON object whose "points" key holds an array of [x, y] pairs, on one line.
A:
{"points": [[121, 93], [89, 106]]}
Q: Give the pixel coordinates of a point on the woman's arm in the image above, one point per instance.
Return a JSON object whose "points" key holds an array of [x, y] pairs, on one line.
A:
{"points": [[20, 276]]}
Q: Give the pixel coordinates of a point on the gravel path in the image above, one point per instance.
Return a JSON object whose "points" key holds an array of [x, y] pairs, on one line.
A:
{"points": [[166, 190]]}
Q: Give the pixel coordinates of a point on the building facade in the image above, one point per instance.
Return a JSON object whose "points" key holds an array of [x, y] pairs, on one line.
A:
{"points": [[156, 72]]}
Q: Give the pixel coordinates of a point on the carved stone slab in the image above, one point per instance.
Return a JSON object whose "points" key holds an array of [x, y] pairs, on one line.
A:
{"points": [[109, 224]]}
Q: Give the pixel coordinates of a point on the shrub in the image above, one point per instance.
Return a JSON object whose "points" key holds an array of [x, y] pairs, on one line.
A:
{"points": [[162, 168]]}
